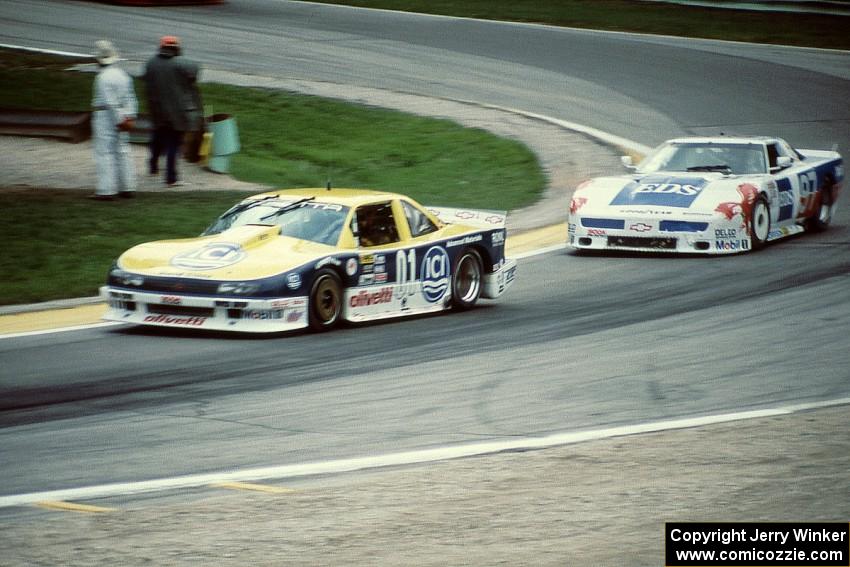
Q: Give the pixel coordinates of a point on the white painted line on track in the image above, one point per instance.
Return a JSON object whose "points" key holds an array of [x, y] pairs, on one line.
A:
{"points": [[49, 51], [398, 459], [60, 330]]}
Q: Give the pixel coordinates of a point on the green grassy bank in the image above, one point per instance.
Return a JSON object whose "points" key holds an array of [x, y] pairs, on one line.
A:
{"points": [[814, 30], [58, 244]]}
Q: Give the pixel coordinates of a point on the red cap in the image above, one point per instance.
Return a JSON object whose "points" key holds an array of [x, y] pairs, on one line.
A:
{"points": [[169, 41]]}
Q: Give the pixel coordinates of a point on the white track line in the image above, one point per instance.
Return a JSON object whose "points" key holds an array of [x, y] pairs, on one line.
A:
{"points": [[397, 459], [50, 51]]}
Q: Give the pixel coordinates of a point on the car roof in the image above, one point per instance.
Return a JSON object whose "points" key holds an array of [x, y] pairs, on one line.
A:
{"points": [[723, 140], [347, 197]]}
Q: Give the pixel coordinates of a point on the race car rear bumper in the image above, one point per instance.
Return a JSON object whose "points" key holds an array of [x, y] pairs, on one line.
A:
{"points": [[499, 281], [211, 313]]}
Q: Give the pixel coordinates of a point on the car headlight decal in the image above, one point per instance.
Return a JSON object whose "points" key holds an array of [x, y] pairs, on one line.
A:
{"points": [[239, 288], [126, 278]]}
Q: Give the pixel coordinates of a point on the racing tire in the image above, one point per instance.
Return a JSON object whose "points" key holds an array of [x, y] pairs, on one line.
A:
{"points": [[820, 221], [466, 280], [325, 300], [760, 223]]}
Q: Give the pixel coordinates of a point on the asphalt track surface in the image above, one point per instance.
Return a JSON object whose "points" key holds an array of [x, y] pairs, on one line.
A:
{"points": [[581, 342]]}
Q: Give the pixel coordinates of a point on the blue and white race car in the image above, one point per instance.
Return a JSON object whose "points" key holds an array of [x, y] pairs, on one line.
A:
{"points": [[709, 195]]}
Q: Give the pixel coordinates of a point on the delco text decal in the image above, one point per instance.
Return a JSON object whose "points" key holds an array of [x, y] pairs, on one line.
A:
{"points": [[210, 257], [661, 191]]}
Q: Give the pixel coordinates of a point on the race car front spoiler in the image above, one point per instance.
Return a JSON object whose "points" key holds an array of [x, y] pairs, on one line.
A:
{"points": [[211, 313]]}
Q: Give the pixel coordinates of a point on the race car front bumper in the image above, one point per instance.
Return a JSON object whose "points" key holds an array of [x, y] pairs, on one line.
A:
{"points": [[651, 235], [211, 313]]}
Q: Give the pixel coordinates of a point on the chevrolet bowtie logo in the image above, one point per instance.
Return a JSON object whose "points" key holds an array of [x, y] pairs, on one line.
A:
{"points": [[640, 227]]}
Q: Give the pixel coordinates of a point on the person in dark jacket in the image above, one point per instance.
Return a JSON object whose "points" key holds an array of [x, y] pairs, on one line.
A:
{"points": [[174, 103]]}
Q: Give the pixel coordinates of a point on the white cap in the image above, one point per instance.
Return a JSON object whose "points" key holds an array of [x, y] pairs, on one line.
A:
{"points": [[106, 53]]}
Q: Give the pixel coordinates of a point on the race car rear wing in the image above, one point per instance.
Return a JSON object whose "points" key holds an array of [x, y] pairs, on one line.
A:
{"points": [[472, 217]]}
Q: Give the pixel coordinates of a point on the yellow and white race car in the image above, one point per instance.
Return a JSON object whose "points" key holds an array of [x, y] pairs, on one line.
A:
{"points": [[296, 258]]}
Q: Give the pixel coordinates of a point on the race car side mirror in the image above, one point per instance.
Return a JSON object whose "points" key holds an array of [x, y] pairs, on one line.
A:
{"points": [[782, 162], [627, 162]]}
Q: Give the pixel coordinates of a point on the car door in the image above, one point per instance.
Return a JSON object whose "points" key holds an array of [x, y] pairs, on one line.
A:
{"points": [[795, 185], [403, 255]]}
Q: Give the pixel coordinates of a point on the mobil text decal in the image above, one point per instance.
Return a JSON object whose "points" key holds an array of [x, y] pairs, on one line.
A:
{"points": [[664, 191]]}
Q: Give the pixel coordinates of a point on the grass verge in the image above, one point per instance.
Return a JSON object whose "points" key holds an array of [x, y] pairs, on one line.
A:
{"points": [[57, 244], [814, 30]]}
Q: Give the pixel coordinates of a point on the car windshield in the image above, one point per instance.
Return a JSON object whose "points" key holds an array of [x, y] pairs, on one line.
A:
{"points": [[738, 159], [304, 219]]}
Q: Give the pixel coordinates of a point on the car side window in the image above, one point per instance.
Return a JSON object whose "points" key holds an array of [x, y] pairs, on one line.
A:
{"points": [[772, 154], [376, 225], [418, 222]]}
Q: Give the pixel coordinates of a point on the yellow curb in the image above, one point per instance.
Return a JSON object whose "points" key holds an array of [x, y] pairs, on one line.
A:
{"points": [[536, 239], [254, 487], [91, 314], [71, 507], [51, 319]]}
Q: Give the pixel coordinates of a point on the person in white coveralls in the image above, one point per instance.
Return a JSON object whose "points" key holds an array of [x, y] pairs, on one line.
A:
{"points": [[114, 109]]}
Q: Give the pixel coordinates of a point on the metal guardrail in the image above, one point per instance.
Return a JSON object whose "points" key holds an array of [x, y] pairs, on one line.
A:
{"points": [[74, 126]]}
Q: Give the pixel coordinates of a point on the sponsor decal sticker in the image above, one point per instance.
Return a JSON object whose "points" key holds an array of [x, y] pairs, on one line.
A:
{"points": [[210, 257], [351, 266], [465, 240], [640, 227], [434, 274], [330, 260], [743, 209], [743, 244], [661, 191], [294, 316], [497, 238], [262, 314], [293, 281], [597, 232], [170, 300], [725, 233], [577, 203], [172, 320], [365, 298]]}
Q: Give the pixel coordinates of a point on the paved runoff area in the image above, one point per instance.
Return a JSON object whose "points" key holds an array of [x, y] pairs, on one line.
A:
{"points": [[600, 502]]}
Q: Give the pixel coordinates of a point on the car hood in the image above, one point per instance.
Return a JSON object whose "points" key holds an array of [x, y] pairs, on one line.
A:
{"points": [[246, 252], [671, 192]]}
